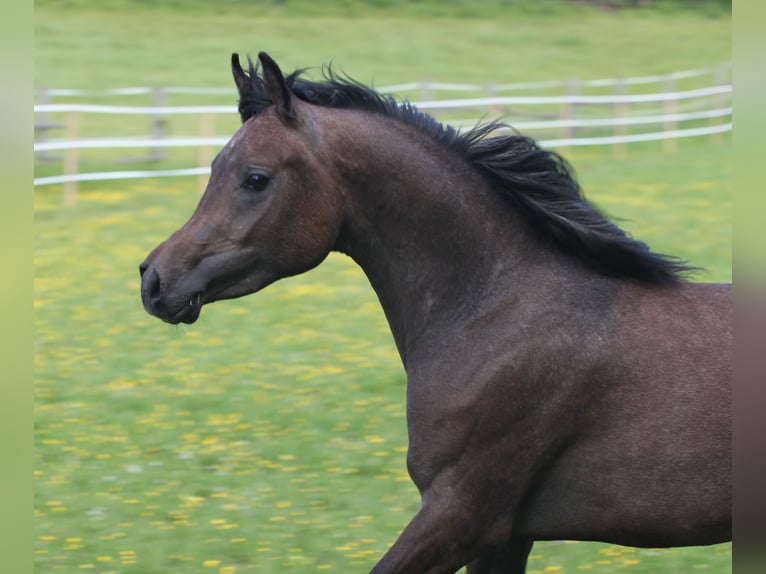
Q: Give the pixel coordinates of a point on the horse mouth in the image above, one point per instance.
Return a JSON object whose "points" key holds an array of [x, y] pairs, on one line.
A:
{"points": [[189, 313]]}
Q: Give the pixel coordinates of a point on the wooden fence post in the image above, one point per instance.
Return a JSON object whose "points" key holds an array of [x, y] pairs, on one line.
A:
{"points": [[159, 124], [43, 125], [620, 149], [720, 77], [569, 111], [71, 159], [669, 107], [495, 110], [426, 91]]}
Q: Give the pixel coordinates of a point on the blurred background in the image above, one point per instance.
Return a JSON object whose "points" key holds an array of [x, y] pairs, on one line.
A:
{"points": [[270, 435]]}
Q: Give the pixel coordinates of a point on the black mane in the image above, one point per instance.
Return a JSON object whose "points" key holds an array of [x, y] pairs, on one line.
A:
{"points": [[539, 183]]}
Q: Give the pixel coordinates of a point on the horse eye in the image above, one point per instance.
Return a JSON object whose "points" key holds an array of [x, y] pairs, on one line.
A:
{"points": [[256, 181]]}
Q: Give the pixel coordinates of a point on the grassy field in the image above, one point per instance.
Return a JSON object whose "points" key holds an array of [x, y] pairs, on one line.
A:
{"points": [[101, 48], [270, 436]]}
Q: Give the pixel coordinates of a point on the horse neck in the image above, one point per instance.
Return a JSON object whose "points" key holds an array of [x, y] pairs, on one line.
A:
{"points": [[430, 234]]}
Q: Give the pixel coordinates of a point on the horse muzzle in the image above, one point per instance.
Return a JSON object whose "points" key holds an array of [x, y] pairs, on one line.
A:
{"points": [[171, 308]]}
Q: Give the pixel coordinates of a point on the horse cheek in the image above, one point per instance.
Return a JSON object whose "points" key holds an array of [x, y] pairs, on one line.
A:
{"points": [[305, 247]]}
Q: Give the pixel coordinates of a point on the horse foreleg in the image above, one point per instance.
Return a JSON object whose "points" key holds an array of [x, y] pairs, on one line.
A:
{"points": [[440, 539], [509, 558]]}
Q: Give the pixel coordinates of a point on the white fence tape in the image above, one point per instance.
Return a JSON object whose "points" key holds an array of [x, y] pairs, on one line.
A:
{"points": [[40, 181], [429, 105], [606, 140], [135, 110], [575, 99], [115, 143], [712, 94], [604, 82], [120, 175]]}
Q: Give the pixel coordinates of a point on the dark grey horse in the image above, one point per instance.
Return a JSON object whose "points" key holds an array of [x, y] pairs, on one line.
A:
{"points": [[563, 381]]}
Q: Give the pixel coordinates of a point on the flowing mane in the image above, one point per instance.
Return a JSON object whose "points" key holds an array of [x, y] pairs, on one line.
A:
{"points": [[539, 183]]}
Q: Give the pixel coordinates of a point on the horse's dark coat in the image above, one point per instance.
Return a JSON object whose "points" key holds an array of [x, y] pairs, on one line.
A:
{"points": [[563, 381]]}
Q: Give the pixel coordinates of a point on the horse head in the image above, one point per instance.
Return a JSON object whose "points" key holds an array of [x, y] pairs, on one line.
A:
{"points": [[270, 209]]}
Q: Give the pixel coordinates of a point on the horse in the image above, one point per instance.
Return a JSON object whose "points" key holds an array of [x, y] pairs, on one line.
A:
{"points": [[564, 381]]}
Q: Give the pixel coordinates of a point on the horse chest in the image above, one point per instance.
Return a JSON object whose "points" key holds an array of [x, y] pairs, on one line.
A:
{"points": [[457, 424]]}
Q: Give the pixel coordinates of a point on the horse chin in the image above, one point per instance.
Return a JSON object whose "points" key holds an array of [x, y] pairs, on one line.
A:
{"points": [[188, 313], [188, 310]]}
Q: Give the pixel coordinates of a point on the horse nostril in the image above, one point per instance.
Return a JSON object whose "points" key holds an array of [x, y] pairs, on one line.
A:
{"points": [[154, 285], [142, 268], [150, 288]]}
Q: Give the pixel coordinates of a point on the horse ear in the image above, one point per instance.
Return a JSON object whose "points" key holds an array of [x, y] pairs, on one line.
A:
{"points": [[244, 87], [277, 88]]}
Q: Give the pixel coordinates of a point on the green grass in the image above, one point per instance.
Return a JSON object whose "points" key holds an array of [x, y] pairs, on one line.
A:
{"points": [[96, 48], [270, 436]]}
